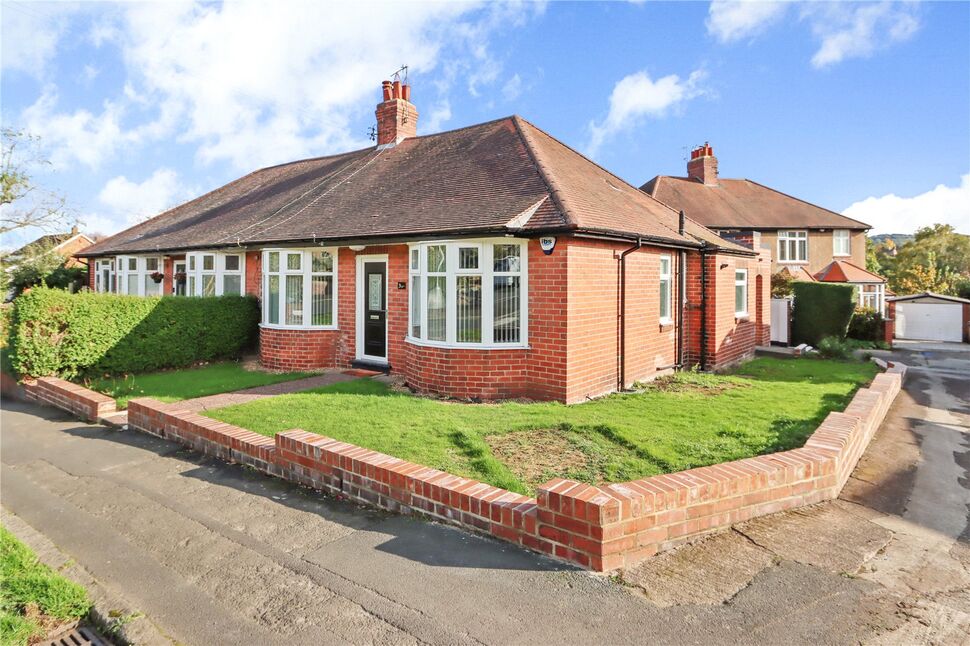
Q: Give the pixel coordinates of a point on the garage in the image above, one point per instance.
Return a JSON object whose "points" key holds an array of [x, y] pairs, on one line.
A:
{"points": [[931, 317]]}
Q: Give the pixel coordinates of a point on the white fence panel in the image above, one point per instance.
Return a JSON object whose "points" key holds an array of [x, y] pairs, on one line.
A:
{"points": [[780, 319]]}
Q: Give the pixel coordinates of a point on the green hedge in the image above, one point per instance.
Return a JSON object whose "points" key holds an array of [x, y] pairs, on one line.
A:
{"points": [[59, 333], [820, 310]]}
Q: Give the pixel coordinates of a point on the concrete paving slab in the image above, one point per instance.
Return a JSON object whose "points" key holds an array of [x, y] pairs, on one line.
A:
{"points": [[711, 570]]}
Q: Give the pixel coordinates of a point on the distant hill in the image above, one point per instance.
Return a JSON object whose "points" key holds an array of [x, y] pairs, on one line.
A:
{"points": [[899, 238]]}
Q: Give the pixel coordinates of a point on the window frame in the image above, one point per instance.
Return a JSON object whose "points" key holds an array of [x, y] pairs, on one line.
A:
{"points": [[486, 270], [124, 271], [195, 272], [838, 236], [306, 271], [99, 266], [786, 236], [668, 278], [741, 283]]}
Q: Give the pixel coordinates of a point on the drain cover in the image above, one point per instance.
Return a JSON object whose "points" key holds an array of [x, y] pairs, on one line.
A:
{"points": [[80, 636]]}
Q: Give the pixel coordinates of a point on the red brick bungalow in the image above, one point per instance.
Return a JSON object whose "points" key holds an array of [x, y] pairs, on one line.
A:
{"points": [[491, 261]]}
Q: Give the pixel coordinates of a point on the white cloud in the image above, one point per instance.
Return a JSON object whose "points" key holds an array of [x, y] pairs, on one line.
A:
{"points": [[843, 30], [637, 96], [857, 31], [123, 202], [433, 122], [244, 83], [894, 214], [31, 33], [732, 20], [512, 88]]}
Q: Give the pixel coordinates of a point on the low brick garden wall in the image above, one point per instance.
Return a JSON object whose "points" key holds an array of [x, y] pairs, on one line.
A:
{"points": [[598, 527], [80, 401]]}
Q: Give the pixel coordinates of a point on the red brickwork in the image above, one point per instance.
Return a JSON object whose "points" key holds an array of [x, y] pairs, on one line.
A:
{"points": [[599, 527], [75, 399], [254, 273], [298, 349]]}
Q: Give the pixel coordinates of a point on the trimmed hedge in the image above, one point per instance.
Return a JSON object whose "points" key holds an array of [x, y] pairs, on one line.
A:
{"points": [[70, 335], [820, 310]]}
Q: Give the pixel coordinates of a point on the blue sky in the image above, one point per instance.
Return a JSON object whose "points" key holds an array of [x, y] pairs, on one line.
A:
{"points": [[862, 108]]}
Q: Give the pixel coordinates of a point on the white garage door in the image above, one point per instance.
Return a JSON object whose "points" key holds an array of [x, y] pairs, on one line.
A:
{"points": [[929, 321]]}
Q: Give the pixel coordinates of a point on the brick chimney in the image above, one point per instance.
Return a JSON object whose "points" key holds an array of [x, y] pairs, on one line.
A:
{"points": [[397, 118], [703, 165]]}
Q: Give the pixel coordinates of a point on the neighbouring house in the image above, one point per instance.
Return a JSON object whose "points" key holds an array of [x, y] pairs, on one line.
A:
{"points": [[808, 242], [492, 261], [67, 245]]}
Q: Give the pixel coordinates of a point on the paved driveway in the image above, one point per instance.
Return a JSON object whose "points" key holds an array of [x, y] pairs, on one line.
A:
{"points": [[213, 553]]}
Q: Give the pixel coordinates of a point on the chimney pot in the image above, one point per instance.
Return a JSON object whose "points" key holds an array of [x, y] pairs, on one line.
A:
{"points": [[703, 165], [397, 119]]}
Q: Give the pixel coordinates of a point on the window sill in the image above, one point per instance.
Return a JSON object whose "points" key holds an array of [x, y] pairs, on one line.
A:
{"points": [[741, 317], [277, 326], [666, 325], [841, 255], [465, 346], [792, 262]]}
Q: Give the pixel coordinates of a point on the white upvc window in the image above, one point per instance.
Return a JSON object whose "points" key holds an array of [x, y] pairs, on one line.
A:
{"points": [[215, 273], [104, 275], [841, 242], [792, 246], [140, 275], [740, 292], [469, 293], [299, 288], [666, 282], [872, 296]]}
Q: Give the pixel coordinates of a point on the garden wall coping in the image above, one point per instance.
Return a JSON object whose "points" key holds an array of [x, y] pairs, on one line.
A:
{"points": [[600, 527]]}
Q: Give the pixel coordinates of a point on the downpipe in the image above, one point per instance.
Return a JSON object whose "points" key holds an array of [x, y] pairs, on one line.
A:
{"points": [[621, 359]]}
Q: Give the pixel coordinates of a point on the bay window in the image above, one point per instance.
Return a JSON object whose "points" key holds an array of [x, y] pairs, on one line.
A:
{"points": [[793, 246], [665, 283], [214, 273], [298, 288], [468, 293], [841, 243], [741, 292], [139, 275]]}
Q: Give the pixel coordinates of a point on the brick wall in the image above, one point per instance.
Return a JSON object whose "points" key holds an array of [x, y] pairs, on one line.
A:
{"points": [[599, 527], [254, 273], [593, 296], [298, 349], [72, 398]]}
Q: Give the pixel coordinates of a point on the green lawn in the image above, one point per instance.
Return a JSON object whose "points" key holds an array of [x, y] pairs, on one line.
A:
{"points": [[176, 385], [33, 598], [685, 421]]}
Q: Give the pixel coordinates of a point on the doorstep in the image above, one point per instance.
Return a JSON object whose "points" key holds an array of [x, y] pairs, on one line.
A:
{"points": [[117, 420]]}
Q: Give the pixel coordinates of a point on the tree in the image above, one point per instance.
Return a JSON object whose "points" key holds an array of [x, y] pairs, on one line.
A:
{"points": [[34, 268], [873, 262], [937, 259], [22, 202]]}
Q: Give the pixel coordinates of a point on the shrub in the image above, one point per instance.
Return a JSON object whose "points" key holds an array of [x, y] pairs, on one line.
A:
{"points": [[59, 333], [834, 348], [866, 324], [821, 310], [781, 284]]}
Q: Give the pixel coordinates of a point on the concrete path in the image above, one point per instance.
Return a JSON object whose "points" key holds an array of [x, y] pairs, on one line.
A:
{"points": [[217, 554], [272, 390]]}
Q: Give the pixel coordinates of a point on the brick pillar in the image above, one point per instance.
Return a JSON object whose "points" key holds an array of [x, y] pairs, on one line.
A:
{"points": [[889, 324], [168, 269]]}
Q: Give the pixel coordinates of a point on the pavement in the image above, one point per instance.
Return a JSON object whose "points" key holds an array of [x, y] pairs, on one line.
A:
{"points": [[191, 550]]}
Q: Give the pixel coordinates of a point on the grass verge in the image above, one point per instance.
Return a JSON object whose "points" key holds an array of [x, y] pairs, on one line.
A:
{"points": [[187, 383], [34, 599], [677, 423]]}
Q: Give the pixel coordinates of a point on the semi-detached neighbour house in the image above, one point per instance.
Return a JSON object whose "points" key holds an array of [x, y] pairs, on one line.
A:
{"points": [[491, 261], [807, 241]]}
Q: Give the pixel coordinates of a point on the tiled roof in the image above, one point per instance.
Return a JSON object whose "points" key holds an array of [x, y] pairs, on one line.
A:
{"points": [[743, 204], [841, 271], [799, 273], [504, 176]]}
